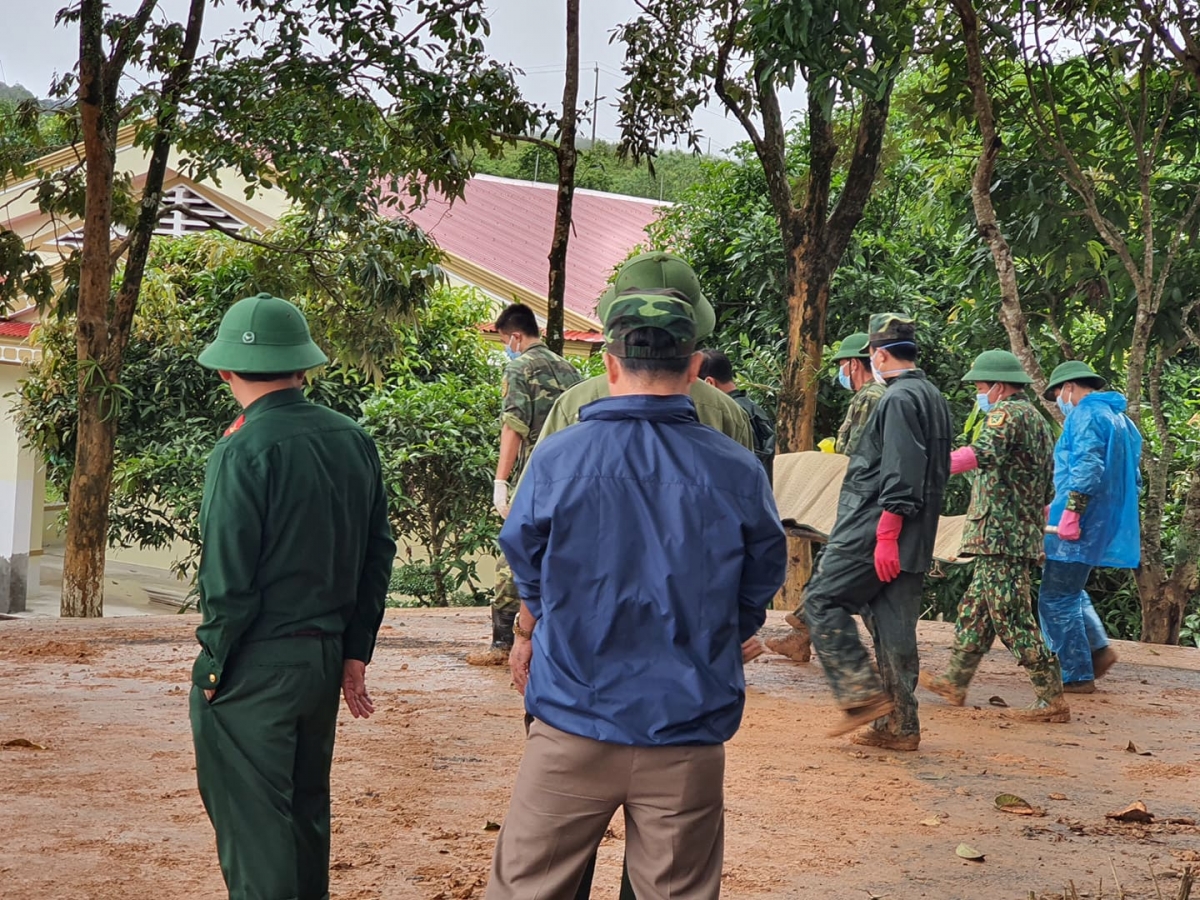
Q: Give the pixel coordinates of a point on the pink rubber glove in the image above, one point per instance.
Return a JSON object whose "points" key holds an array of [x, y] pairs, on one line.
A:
{"points": [[887, 546], [963, 460], [1068, 525]]}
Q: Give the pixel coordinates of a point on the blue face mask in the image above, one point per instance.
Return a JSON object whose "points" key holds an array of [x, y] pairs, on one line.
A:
{"points": [[985, 405], [511, 353], [1065, 406], [844, 380]]}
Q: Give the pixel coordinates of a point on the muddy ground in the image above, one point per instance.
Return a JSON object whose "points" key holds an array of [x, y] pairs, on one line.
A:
{"points": [[109, 808]]}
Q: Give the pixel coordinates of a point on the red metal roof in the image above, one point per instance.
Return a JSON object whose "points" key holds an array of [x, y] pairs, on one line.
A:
{"points": [[505, 226], [15, 329]]}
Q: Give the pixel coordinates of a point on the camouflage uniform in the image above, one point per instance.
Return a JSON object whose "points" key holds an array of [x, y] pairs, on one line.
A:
{"points": [[1004, 532], [532, 382], [861, 406]]}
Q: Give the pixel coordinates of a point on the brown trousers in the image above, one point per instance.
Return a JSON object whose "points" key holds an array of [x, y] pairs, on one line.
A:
{"points": [[567, 790]]}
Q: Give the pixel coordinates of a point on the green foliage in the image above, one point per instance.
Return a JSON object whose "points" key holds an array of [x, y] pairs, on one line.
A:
{"points": [[600, 168], [437, 440], [415, 583], [170, 411]]}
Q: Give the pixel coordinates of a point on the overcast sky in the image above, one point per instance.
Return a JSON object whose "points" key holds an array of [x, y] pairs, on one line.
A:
{"points": [[526, 33]]}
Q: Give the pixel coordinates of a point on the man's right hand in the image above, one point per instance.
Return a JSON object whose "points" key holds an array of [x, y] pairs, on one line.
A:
{"points": [[518, 663], [500, 497], [354, 689]]}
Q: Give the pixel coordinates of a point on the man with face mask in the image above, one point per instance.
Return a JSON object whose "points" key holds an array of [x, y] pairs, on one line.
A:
{"points": [[533, 379], [854, 374], [1013, 456], [1096, 479], [882, 544]]}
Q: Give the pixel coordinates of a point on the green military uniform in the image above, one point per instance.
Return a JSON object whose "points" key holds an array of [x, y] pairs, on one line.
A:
{"points": [[901, 466], [714, 408], [532, 382], [862, 404], [1015, 457], [296, 554], [761, 428]]}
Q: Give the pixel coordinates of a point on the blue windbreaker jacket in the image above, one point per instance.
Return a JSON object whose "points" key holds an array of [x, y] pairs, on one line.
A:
{"points": [[1099, 454], [647, 546]]}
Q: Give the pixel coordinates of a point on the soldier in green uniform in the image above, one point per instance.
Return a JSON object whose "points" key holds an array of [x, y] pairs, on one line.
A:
{"points": [[882, 544], [296, 554], [654, 271], [717, 370], [1014, 456], [854, 373], [533, 379]]}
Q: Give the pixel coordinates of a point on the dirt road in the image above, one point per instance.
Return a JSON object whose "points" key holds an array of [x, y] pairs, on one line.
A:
{"points": [[109, 811]]}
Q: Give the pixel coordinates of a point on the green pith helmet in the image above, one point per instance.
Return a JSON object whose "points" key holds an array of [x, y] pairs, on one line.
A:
{"points": [[261, 335], [665, 310], [1073, 370], [657, 271], [997, 365], [854, 346]]}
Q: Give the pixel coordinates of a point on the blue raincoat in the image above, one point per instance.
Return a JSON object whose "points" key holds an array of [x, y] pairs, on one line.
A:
{"points": [[1099, 454]]}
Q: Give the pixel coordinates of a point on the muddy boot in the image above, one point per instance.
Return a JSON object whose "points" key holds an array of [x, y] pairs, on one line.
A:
{"points": [[1080, 687], [1103, 660], [863, 713], [502, 640], [873, 737], [796, 644], [1055, 710], [944, 688]]}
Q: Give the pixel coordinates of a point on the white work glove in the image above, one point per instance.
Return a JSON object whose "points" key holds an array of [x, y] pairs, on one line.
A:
{"points": [[500, 497]]}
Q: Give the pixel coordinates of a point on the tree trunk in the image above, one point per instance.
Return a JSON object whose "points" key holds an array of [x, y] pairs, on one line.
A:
{"points": [[1165, 599], [103, 323], [87, 526], [557, 290], [1012, 316]]}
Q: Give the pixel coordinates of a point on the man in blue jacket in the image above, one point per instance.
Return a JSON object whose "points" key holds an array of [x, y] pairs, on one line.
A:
{"points": [[1095, 511], [646, 547]]}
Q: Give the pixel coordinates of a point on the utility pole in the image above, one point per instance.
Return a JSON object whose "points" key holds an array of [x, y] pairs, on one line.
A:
{"points": [[595, 104]]}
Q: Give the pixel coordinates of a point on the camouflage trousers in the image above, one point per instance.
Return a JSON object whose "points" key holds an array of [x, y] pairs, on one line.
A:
{"points": [[843, 587], [997, 604], [505, 597]]}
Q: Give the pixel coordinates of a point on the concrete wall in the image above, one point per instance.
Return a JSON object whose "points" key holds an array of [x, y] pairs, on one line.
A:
{"points": [[20, 494]]}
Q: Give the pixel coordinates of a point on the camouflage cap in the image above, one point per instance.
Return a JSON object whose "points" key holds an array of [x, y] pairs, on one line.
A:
{"points": [[668, 311], [658, 271], [891, 328], [853, 346]]}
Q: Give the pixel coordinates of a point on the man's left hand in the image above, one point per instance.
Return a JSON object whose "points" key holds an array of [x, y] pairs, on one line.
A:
{"points": [[354, 689], [208, 695], [518, 663]]}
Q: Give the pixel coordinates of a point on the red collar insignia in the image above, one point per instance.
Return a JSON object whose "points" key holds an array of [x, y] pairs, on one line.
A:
{"points": [[237, 423]]}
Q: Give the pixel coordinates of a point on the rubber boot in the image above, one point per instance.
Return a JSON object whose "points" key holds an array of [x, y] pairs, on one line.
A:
{"points": [[502, 640]]}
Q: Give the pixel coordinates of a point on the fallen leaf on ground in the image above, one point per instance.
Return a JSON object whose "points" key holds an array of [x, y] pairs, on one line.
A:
{"points": [[1011, 803], [491, 826], [932, 823], [998, 701], [22, 742], [1132, 748], [1057, 796], [967, 852], [1134, 812]]}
